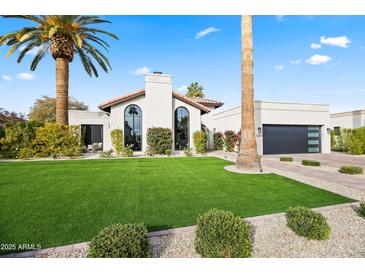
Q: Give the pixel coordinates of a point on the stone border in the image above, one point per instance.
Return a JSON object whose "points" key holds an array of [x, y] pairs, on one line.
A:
{"points": [[167, 232]]}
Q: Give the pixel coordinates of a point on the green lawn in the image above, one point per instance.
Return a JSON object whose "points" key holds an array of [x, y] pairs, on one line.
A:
{"points": [[54, 203]]}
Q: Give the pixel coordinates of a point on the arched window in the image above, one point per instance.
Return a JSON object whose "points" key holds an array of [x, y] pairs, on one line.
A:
{"points": [[133, 127], [181, 128]]}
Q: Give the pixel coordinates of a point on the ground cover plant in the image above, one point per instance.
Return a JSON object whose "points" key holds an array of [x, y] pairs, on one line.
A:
{"points": [[286, 159], [310, 163], [61, 202], [351, 170]]}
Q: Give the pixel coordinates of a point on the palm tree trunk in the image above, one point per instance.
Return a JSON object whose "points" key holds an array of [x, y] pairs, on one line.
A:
{"points": [[248, 157], [62, 71]]}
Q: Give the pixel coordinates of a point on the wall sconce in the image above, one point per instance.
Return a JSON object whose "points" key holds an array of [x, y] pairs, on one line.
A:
{"points": [[259, 130], [328, 130]]}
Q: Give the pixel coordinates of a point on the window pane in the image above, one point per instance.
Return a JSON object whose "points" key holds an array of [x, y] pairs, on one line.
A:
{"points": [[181, 128], [133, 127]]}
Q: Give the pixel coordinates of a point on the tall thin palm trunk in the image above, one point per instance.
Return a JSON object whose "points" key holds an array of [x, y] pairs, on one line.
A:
{"points": [[62, 72], [248, 157]]}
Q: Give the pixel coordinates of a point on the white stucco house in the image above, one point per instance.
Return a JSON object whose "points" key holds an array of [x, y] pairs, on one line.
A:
{"points": [[280, 127], [350, 119]]}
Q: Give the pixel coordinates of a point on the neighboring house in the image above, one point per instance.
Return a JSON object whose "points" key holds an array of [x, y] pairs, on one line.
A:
{"points": [[350, 119], [280, 127]]}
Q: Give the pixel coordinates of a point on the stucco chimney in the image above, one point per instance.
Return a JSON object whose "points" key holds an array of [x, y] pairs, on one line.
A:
{"points": [[158, 100]]}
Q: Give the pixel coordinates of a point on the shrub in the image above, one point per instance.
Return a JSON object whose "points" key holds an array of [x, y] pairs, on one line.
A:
{"points": [[158, 140], [307, 223], [57, 140], [117, 140], [200, 141], [218, 141], [310, 163], [237, 140], [356, 141], [106, 154], [168, 152], [120, 241], [351, 170], [362, 208], [127, 151], [286, 159], [229, 140], [342, 140], [188, 152], [19, 136], [220, 233]]}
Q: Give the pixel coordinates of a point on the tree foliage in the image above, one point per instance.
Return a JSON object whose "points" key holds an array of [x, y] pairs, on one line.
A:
{"points": [[195, 90], [44, 109]]}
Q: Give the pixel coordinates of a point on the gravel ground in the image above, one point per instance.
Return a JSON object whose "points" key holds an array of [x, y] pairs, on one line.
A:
{"points": [[272, 239]]}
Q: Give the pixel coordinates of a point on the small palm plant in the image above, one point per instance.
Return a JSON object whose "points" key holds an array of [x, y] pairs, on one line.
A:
{"points": [[195, 90], [63, 36]]}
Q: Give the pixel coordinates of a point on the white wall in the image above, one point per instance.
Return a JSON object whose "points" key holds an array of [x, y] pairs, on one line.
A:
{"points": [[278, 113], [80, 117], [351, 119]]}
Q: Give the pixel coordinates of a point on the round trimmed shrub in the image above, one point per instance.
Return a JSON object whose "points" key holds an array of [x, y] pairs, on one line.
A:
{"points": [[120, 241], [351, 170], [221, 234], [308, 223], [158, 140], [218, 141]]}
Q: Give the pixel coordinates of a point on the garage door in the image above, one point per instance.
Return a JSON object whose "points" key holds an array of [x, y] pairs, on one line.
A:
{"points": [[282, 139]]}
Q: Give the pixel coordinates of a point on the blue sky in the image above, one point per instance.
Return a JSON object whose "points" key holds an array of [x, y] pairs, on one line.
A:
{"points": [[316, 59]]}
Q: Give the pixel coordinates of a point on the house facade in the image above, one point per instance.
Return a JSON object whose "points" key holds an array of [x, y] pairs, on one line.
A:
{"points": [[350, 119], [280, 127]]}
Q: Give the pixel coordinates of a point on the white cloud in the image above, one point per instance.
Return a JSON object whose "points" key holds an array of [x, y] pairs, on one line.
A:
{"points": [[25, 76], [141, 71], [295, 62], [318, 59], [341, 41], [279, 67], [205, 32], [183, 89], [7, 77], [316, 46]]}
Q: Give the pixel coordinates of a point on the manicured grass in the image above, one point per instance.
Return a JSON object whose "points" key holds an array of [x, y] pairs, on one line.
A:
{"points": [[61, 202]]}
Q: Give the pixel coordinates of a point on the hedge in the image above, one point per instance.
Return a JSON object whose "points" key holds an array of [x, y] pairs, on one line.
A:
{"points": [[286, 159], [350, 140], [221, 234], [117, 140], [229, 140], [159, 140]]}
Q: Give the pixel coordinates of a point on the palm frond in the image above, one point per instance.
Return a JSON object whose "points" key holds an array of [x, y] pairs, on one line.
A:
{"points": [[100, 31], [84, 61], [26, 17], [39, 56]]}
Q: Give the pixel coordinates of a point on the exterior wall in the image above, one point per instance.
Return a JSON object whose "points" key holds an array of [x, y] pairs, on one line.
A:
{"points": [[194, 119], [280, 114], [80, 117], [351, 119]]}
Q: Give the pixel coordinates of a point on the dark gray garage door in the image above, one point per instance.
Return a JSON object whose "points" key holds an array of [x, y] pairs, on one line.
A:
{"points": [[282, 139]]}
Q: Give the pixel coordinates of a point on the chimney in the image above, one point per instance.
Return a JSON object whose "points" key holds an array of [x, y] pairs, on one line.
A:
{"points": [[158, 100]]}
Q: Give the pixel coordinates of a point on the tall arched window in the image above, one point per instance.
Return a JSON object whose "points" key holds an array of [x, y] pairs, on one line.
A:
{"points": [[133, 127], [181, 128]]}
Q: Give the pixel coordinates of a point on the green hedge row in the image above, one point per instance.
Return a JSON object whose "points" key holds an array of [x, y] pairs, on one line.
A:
{"points": [[349, 140]]}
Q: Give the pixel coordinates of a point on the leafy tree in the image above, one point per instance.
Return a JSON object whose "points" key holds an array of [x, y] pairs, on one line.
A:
{"points": [[10, 117], [195, 90], [63, 36], [44, 109]]}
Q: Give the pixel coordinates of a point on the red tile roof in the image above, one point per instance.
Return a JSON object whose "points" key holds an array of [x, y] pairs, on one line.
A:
{"points": [[207, 102], [138, 93]]}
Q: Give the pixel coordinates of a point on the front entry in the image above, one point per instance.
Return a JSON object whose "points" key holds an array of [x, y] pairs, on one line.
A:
{"points": [[181, 135]]}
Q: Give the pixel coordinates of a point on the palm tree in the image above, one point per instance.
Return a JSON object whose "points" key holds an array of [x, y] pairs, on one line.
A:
{"points": [[63, 36], [195, 90], [248, 157]]}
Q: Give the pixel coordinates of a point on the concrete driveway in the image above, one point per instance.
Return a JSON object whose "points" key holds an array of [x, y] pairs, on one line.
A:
{"points": [[326, 176]]}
